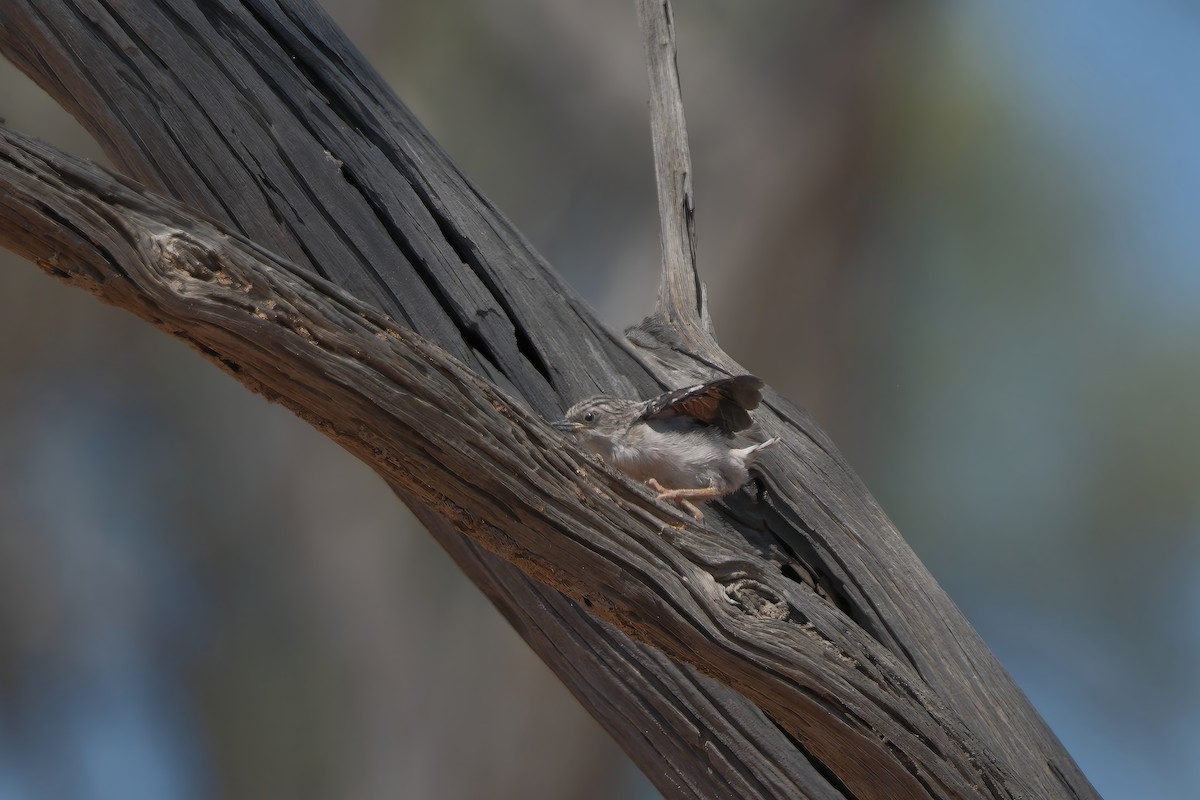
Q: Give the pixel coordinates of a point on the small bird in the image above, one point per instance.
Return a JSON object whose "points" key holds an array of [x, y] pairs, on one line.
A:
{"points": [[681, 439]]}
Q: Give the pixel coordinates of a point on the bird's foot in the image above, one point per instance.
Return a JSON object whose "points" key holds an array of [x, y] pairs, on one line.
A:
{"points": [[683, 497]]}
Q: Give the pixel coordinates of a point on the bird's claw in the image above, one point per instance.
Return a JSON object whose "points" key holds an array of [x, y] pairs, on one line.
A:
{"points": [[676, 496]]}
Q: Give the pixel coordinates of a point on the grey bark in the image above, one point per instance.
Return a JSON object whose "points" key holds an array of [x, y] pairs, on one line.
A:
{"points": [[408, 320]]}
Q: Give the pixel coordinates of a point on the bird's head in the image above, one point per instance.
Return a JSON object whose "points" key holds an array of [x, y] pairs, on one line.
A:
{"points": [[598, 421]]}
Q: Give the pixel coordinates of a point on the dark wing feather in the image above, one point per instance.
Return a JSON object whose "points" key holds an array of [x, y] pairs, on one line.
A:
{"points": [[725, 404]]}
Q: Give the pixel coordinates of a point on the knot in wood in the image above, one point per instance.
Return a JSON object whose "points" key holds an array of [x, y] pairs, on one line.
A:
{"points": [[176, 251], [757, 599]]}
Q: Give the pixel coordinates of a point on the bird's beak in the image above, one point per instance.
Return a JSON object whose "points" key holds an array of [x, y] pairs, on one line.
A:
{"points": [[566, 426]]}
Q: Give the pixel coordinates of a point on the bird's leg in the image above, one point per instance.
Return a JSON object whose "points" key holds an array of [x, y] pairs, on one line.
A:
{"points": [[683, 497], [705, 493]]}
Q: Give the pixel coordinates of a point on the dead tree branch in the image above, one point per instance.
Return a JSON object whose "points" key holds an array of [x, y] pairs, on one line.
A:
{"points": [[682, 305], [399, 303]]}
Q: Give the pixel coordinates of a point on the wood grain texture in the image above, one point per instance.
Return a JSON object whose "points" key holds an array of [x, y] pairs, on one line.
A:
{"points": [[493, 470], [681, 300], [402, 282]]}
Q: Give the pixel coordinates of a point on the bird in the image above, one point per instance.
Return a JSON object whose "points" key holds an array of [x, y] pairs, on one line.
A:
{"points": [[679, 443]]}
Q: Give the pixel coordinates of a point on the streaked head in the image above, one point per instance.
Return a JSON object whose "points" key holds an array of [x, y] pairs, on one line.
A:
{"points": [[597, 421]]}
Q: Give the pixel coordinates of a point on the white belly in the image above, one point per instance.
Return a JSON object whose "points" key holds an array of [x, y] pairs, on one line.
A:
{"points": [[688, 458]]}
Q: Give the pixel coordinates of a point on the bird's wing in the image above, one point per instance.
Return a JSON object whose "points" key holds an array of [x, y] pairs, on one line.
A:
{"points": [[725, 404]]}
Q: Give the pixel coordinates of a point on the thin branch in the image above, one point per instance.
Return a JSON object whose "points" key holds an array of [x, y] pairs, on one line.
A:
{"points": [[682, 304]]}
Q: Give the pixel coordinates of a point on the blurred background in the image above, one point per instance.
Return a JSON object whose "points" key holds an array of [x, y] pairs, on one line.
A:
{"points": [[963, 235]]}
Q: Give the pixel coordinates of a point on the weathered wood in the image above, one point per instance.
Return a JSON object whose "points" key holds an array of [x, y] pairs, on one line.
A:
{"points": [[266, 118], [495, 471], [881, 686], [682, 304]]}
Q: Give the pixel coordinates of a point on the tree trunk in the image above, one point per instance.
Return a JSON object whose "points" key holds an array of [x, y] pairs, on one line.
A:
{"points": [[792, 646]]}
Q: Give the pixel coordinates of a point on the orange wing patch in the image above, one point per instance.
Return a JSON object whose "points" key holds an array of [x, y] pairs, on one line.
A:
{"points": [[724, 403]]}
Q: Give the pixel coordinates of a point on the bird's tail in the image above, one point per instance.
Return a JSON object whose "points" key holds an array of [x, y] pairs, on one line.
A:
{"points": [[752, 452]]}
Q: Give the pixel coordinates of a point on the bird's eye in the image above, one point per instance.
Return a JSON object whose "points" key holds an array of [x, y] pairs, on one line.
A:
{"points": [[589, 416]]}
